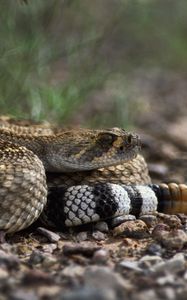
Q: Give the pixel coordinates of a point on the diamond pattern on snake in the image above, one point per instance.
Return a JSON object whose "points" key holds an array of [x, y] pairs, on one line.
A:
{"points": [[70, 177]]}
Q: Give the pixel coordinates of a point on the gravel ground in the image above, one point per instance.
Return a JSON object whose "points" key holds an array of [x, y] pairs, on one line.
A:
{"points": [[134, 260]]}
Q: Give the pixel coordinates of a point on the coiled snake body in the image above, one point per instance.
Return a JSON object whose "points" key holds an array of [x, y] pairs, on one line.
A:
{"points": [[91, 175]]}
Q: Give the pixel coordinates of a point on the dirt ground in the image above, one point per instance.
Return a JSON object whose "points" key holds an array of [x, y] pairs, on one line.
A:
{"points": [[138, 259]]}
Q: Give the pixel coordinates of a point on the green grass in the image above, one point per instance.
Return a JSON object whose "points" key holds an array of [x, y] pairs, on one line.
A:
{"points": [[54, 55]]}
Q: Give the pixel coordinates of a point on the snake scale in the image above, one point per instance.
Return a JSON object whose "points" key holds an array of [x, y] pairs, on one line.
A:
{"points": [[75, 176]]}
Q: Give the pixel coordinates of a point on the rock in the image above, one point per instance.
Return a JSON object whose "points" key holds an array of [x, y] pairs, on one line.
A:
{"points": [[172, 266], [154, 249], [82, 236], [172, 221], [36, 277], [129, 265], [49, 248], [147, 261], [73, 271], [36, 257], [87, 250], [100, 256], [50, 235], [103, 278], [133, 229], [168, 279], [101, 226], [173, 239], [49, 261], [90, 293], [98, 235], [149, 220], [159, 230], [183, 219], [121, 219]]}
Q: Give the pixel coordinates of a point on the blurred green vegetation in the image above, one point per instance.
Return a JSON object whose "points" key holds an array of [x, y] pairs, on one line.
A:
{"points": [[56, 55]]}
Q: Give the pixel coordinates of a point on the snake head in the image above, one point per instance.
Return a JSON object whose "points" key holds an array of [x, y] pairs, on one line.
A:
{"points": [[78, 150]]}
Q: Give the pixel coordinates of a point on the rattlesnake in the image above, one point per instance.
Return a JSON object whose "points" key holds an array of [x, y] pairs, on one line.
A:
{"points": [[91, 175]]}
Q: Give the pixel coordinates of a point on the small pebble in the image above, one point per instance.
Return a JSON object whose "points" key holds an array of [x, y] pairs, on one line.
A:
{"points": [[36, 277], [49, 261], [85, 250], [36, 257], [101, 226], [52, 236], [172, 221], [147, 261], [102, 277], [159, 230], [82, 236], [176, 239], [49, 248], [173, 239], [100, 256], [166, 279], [133, 229], [98, 235], [90, 293], [129, 265], [73, 270], [150, 220], [172, 266], [121, 219], [182, 217], [155, 249]]}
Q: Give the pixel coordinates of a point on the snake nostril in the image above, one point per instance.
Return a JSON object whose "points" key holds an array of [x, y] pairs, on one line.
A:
{"points": [[133, 140]]}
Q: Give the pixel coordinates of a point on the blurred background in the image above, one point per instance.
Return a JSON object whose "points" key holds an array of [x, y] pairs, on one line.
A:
{"points": [[94, 63]]}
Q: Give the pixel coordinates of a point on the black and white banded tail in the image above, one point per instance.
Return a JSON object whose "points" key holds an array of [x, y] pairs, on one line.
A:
{"points": [[83, 204]]}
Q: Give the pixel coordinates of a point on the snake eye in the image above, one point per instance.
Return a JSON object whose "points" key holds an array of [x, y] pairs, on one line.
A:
{"points": [[129, 139], [106, 138]]}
